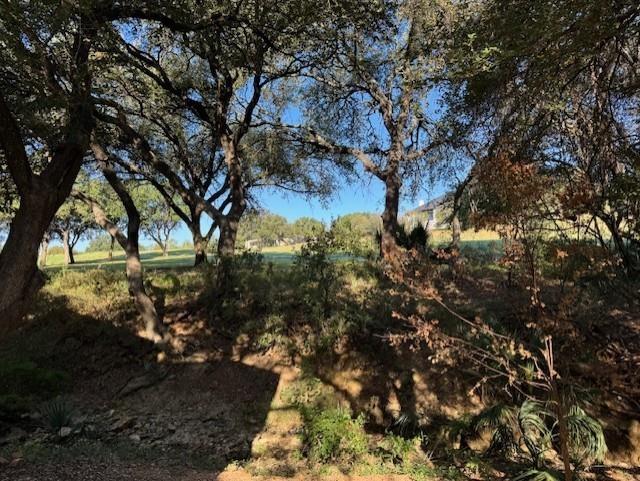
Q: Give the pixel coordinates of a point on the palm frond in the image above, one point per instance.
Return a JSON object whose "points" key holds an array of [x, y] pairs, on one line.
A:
{"points": [[536, 475], [586, 438], [536, 436]]}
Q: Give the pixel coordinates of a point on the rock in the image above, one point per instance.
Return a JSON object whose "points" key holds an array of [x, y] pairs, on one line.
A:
{"points": [[64, 432], [146, 380], [135, 438], [122, 424]]}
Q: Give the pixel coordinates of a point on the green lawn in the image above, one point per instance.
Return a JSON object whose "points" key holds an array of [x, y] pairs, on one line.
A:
{"points": [[184, 257], [98, 260]]}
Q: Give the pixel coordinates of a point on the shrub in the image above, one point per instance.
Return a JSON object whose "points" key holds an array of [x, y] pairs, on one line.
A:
{"points": [[333, 435]]}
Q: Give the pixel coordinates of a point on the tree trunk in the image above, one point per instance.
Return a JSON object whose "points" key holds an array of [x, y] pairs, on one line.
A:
{"points": [[165, 249], [200, 242], [68, 253], [41, 194], [44, 250], [390, 227], [130, 243], [200, 248], [456, 231], [135, 276], [228, 233], [19, 273], [631, 267], [110, 255]]}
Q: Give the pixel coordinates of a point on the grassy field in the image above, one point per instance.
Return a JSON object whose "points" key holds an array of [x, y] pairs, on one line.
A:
{"points": [[443, 236], [97, 260], [154, 259]]}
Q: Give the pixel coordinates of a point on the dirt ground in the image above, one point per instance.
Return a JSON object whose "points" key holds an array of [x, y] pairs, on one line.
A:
{"points": [[203, 406]]}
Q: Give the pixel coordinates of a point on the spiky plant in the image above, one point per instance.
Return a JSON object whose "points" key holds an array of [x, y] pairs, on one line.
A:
{"points": [[586, 438], [57, 414]]}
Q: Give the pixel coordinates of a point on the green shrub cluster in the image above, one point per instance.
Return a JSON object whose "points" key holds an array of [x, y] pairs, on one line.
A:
{"points": [[333, 435]]}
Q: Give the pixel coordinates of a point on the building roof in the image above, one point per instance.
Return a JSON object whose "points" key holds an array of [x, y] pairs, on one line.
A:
{"points": [[432, 204]]}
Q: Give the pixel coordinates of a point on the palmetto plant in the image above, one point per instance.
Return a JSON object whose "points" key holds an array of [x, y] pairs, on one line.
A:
{"points": [[532, 429], [586, 439], [513, 428]]}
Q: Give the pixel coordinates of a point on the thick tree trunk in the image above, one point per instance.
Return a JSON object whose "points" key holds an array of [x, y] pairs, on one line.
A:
{"points": [[228, 234], [456, 229], [390, 227], [165, 249], [41, 194], [19, 274], [135, 276]]}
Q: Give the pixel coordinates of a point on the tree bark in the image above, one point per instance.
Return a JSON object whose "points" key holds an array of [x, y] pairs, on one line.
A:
{"points": [[20, 276], [390, 226], [200, 249], [456, 231], [110, 255], [44, 250], [200, 242], [228, 233]]}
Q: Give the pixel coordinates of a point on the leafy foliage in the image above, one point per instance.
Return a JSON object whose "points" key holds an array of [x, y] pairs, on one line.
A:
{"points": [[333, 435]]}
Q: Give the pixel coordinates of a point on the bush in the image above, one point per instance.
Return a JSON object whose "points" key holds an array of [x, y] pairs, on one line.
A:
{"points": [[333, 435]]}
